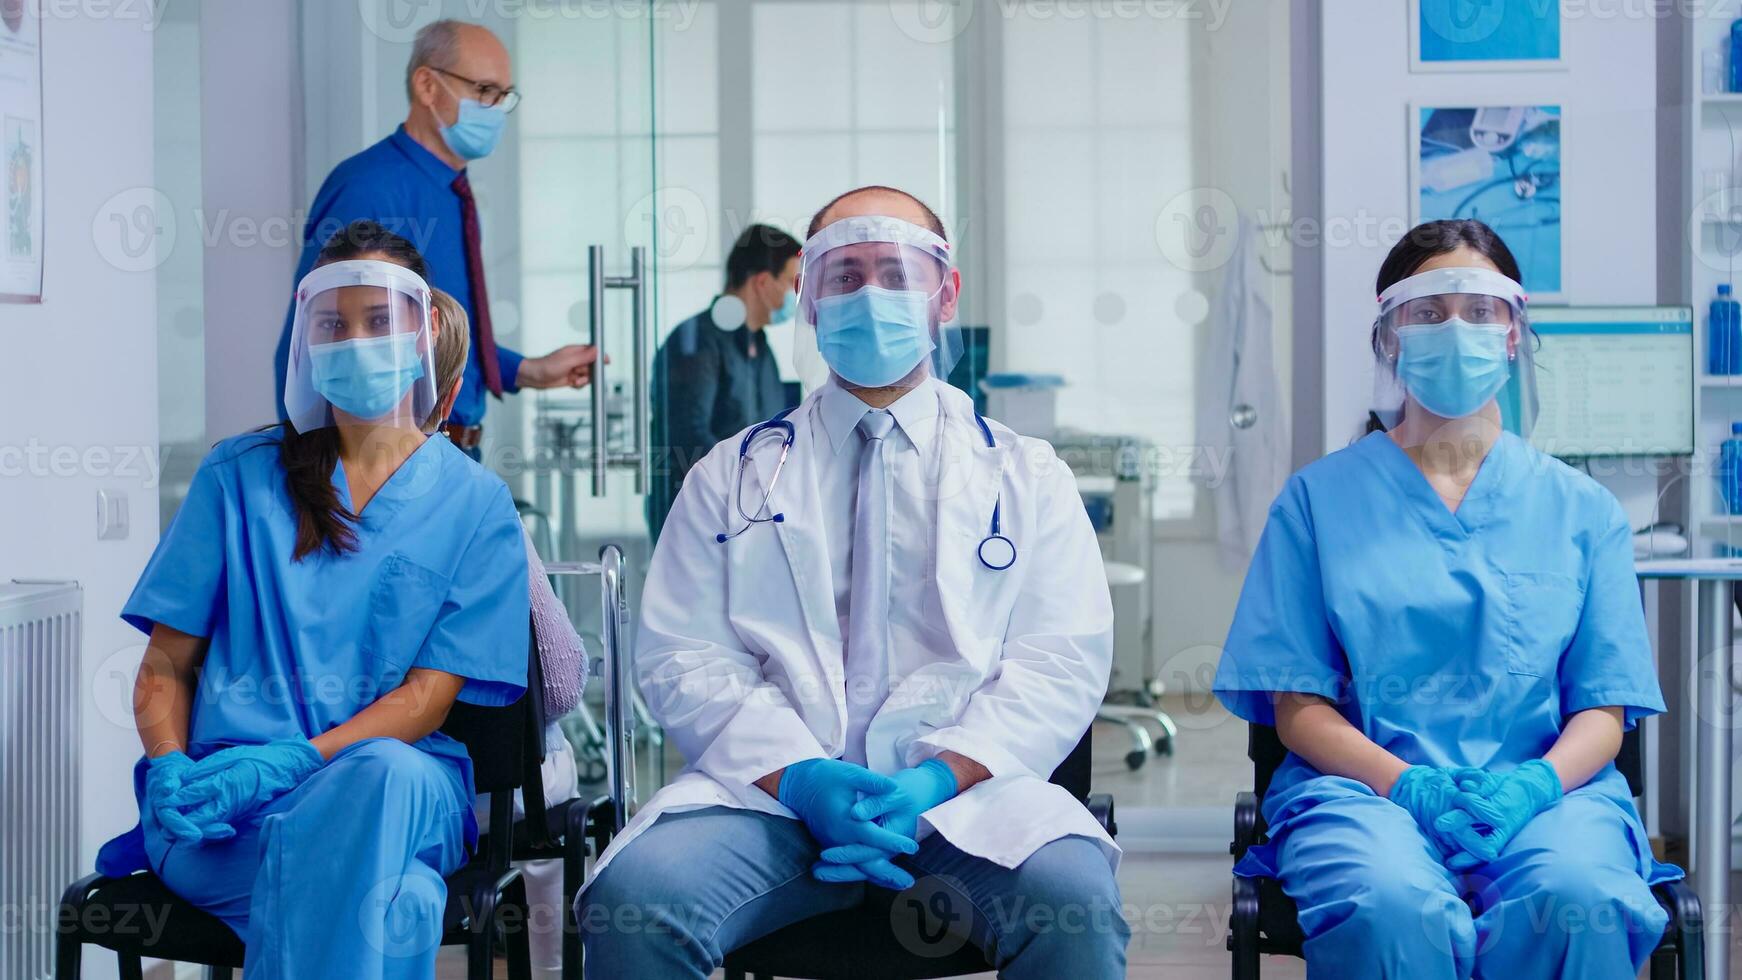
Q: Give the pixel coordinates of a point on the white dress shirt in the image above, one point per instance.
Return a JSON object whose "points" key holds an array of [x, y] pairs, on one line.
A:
{"points": [[916, 624]]}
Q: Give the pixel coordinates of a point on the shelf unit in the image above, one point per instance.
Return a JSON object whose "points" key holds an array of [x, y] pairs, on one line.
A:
{"points": [[1713, 238]]}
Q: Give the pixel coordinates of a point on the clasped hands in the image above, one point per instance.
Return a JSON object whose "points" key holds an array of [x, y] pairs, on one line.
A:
{"points": [[1472, 814], [202, 801], [864, 819]]}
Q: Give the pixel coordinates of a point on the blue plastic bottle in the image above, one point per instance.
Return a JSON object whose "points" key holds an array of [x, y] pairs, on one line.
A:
{"points": [[1724, 334], [1730, 470], [1736, 55]]}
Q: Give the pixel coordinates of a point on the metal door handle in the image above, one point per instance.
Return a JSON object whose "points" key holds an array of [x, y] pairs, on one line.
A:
{"points": [[639, 455], [596, 330]]}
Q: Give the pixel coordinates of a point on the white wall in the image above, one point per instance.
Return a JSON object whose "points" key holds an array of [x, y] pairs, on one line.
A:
{"points": [[1609, 231], [78, 376], [252, 208]]}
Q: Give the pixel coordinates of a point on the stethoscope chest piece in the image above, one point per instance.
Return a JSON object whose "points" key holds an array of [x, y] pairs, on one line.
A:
{"points": [[997, 552]]}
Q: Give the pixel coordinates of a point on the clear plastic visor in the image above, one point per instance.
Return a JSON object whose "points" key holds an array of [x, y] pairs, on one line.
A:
{"points": [[360, 348], [1481, 299], [874, 268]]}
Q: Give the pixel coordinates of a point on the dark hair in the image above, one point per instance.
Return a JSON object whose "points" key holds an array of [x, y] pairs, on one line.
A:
{"points": [[1422, 243], [931, 217], [367, 237], [761, 248], [309, 458]]}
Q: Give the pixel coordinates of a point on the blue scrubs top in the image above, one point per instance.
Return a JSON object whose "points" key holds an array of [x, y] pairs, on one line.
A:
{"points": [[409, 190], [1460, 639], [438, 580]]}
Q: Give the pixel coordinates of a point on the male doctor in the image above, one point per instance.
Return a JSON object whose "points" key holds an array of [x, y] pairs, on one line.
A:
{"points": [[873, 663]]}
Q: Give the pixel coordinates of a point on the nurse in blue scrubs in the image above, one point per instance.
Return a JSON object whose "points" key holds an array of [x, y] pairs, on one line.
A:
{"points": [[1444, 626], [327, 591]]}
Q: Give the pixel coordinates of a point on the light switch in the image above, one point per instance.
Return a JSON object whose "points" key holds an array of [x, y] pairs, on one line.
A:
{"points": [[112, 522]]}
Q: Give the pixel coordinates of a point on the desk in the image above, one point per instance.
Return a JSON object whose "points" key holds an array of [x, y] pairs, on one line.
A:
{"points": [[1714, 731]]}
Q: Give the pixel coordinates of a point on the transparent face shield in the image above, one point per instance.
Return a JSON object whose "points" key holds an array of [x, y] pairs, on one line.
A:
{"points": [[876, 305], [360, 348], [1455, 339]]}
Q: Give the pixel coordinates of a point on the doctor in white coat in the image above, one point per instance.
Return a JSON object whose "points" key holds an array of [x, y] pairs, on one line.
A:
{"points": [[872, 663]]}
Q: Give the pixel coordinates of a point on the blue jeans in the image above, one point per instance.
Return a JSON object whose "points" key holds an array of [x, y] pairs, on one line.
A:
{"points": [[699, 884]]}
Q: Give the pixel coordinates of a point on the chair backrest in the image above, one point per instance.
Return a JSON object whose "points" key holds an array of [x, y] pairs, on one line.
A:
{"points": [[1264, 747], [1073, 773], [495, 737]]}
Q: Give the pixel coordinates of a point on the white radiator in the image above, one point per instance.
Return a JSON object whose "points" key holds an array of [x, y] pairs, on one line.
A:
{"points": [[39, 768]]}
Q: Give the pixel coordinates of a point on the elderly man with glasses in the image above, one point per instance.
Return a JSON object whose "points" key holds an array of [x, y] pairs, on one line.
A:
{"points": [[415, 182]]}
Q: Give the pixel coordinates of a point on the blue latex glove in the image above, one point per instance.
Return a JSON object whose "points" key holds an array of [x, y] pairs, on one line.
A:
{"points": [[231, 783], [163, 776], [1483, 824], [929, 784], [862, 862], [1428, 793], [823, 793]]}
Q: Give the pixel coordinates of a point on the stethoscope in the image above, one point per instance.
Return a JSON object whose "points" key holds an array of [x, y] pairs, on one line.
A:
{"points": [[996, 551]]}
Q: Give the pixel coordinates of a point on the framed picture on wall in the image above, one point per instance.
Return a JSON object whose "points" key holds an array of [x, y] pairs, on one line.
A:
{"points": [[20, 152], [1485, 35], [1500, 165]]}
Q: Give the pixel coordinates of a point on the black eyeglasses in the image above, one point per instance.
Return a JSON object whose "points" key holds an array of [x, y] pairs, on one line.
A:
{"points": [[487, 94]]}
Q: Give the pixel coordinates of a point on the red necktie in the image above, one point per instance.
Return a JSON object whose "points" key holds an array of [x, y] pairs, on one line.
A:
{"points": [[486, 338]]}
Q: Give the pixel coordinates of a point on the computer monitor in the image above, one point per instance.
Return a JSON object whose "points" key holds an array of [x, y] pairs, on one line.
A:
{"points": [[1614, 380]]}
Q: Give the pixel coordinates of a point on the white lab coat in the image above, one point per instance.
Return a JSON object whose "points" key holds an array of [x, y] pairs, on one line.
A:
{"points": [[739, 653], [1243, 468]]}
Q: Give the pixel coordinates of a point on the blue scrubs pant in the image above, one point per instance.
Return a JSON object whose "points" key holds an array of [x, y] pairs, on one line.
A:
{"points": [[1564, 900], [701, 883], [342, 876]]}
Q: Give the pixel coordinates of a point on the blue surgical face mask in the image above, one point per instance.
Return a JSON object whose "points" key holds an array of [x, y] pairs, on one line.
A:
{"points": [[785, 310], [476, 130], [1453, 368], [873, 336], [366, 378]]}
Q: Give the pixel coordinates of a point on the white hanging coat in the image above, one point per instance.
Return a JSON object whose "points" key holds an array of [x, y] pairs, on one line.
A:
{"points": [[1239, 375], [739, 652]]}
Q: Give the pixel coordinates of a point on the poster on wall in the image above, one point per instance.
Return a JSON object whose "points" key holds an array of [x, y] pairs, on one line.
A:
{"points": [[1485, 35], [21, 151], [1500, 165]]}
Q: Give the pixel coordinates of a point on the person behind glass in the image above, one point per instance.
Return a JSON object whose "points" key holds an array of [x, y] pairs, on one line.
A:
{"points": [[329, 588], [715, 375], [416, 184]]}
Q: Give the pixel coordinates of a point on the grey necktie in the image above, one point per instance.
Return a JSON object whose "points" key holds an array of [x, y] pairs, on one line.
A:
{"points": [[868, 607]]}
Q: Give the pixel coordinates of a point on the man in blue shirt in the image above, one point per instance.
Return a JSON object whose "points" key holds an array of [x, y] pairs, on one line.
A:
{"points": [[460, 83]]}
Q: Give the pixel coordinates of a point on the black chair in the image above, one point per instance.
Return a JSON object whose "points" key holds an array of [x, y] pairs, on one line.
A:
{"points": [[559, 832], [485, 895], [859, 943], [1265, 921]]}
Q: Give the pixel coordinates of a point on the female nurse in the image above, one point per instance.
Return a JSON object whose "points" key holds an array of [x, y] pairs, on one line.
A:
{"points": [[327, 591], [1444, 626]]}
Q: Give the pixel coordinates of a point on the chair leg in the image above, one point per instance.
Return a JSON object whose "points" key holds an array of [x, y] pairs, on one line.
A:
{"points": [[131, 967], [1243, 930], [517, 938], [480, 956], [574, 872], [1664, 965], [69, 952]]}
